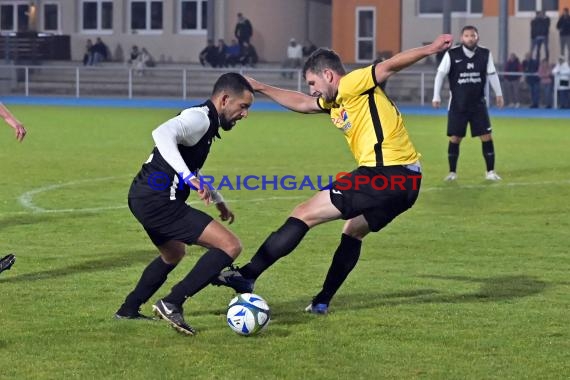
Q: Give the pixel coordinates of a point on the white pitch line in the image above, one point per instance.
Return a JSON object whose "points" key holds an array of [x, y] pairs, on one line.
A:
{"points": [[26, 199]]}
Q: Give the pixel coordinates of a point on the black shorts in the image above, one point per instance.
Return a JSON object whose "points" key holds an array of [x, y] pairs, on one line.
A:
{"points": [[165, 220], [478, 119], [378, 193]]}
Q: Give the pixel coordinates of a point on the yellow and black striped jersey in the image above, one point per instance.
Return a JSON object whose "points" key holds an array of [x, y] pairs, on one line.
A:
{"points": [[371, 123]]}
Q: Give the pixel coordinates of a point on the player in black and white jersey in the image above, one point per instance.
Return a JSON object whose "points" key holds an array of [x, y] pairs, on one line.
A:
{"points": [[7, 261], [157, 198], [468, 67]]}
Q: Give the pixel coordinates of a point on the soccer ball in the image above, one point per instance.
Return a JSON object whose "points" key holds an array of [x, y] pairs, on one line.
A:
{"points": [[248, 314]]}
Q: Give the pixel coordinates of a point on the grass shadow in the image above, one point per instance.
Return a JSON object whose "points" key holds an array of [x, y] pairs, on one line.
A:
{"points": [[492, 289], [38, 218], [101, 264]]}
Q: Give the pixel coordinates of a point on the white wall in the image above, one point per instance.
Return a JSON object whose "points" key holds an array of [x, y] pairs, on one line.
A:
{"points": [[416, 30]]}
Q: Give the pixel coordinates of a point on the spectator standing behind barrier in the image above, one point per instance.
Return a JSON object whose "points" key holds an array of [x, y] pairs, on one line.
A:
{"points": [[209, 55], [134, 54], [143, 61], [561, 73], [221, 49], [243, 30], [530, 68], [248, 55], [563, 26], [100, 51], [539, 29], [545, 75], [512, 82], [233, 53], [294, 58], [88, 55], [308, 48]]}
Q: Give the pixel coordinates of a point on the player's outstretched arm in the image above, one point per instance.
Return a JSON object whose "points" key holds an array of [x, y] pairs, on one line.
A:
{"points": [[13, 122], [294, 100], [407, 58]]}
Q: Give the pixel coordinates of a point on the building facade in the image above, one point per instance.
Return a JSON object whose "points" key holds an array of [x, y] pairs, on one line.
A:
{"points": [[177, 30]]}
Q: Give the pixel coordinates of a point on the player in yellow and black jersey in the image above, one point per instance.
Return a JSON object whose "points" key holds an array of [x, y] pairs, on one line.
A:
{"points": [[376, 135]]}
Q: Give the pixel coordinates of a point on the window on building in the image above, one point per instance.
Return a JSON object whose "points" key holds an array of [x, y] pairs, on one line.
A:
{"points": [[365, 34], [14, 16], [146, 15], [537, 5], [193, 15], [97, 15], [51, 17], [458, 7]]}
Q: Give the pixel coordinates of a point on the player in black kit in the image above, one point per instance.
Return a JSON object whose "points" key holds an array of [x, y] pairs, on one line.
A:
{"points": [[157, 198], [468, 67]]}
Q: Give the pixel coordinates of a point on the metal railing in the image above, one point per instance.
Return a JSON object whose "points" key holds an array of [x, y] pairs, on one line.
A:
{"points": [[408, 86]]}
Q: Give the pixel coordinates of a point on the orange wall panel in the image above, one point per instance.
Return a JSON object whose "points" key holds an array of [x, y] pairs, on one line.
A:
{"points": [[563, 4], [388, 26], [491, 7]]}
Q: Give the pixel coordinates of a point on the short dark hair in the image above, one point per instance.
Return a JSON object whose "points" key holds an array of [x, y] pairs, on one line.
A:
{"points": [[322, 59], [469, 27], [233, 82]]}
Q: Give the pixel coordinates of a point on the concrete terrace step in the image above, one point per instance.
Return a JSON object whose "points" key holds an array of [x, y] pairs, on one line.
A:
{"points": [[166, 80]]}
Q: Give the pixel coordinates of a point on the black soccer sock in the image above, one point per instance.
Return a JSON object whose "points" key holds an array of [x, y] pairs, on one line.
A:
{"points": [[489, 154], [279, 244], [207, 267], [344, 261], [453, 156], [152, 278]]}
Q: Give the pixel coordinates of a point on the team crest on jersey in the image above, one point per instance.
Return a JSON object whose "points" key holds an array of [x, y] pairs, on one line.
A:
{"points": [[342, 121]]}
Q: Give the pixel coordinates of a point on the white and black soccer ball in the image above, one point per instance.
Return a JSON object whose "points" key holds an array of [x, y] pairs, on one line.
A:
{"points": [[248, 314]]}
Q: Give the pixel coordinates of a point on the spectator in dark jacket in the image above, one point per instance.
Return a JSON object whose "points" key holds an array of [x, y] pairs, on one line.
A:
{"points": [[243, 30], [530, 68], [209, 55], [100, 51], [539, 29], [88, 55], [233, 53], [545, 75], [221, 50], [308, 48], [563, 26], [248, 56], [512, 82]]}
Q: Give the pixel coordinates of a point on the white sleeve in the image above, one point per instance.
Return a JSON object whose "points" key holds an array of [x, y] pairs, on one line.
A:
{"points": [[490, 65], [442, 71], [493, 77], [495, 84], [439, 77], [185, 129], [445, 64]]}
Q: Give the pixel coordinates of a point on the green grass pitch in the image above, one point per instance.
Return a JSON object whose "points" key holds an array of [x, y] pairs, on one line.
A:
{"points": [[472, 283]]}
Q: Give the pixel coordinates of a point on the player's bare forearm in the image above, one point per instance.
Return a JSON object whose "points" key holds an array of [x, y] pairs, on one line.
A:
{"points": [[407, 58], [13, 122], [8, 117], [293, 100]]}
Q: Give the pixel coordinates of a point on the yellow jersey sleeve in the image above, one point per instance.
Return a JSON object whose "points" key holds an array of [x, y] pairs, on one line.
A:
{"points": [[324, 105], [357, 82]]}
